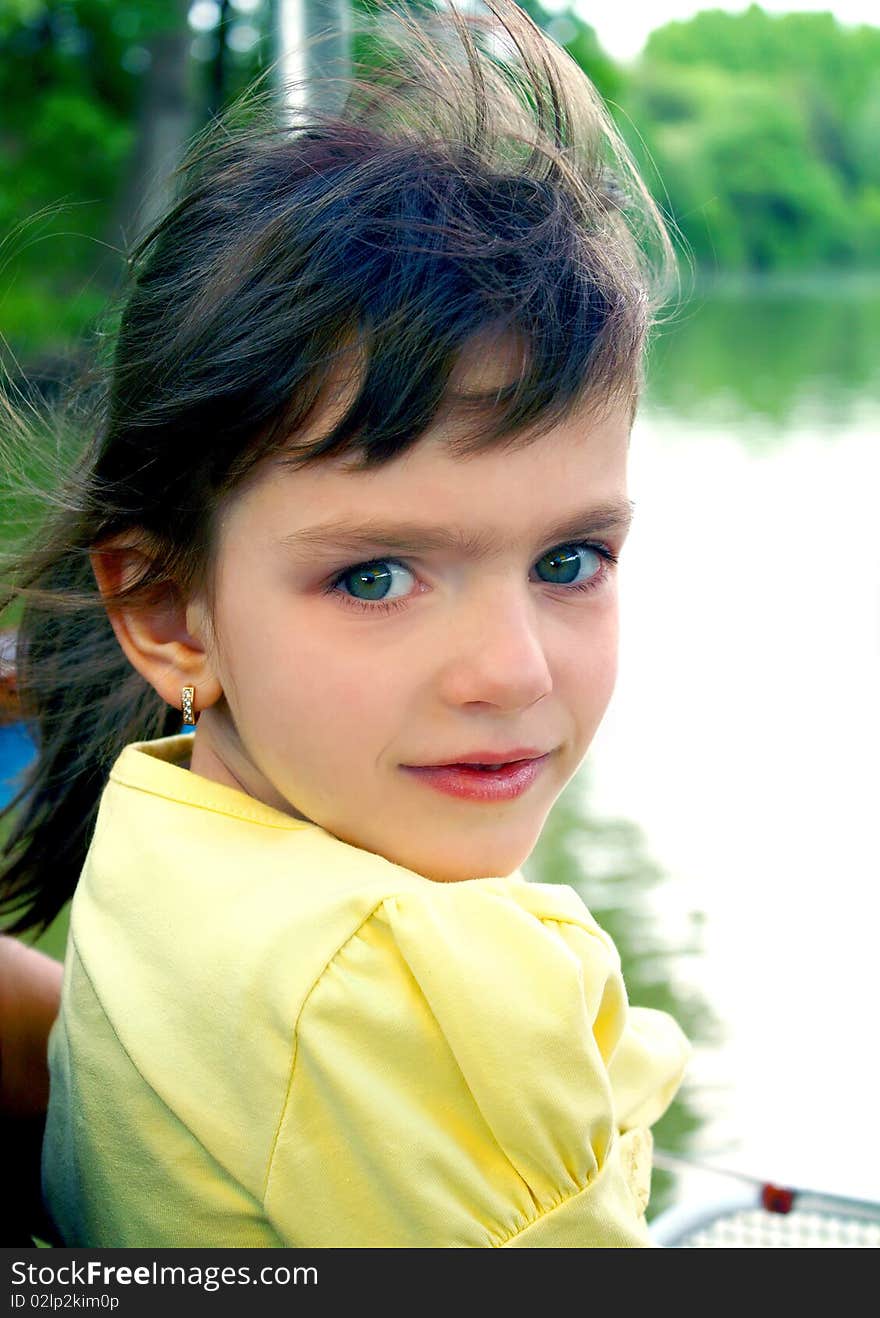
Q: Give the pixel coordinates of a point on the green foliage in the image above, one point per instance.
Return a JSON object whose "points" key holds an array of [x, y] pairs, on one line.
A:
{"points": [[73, 75], [757, 133], [762, 130], [68, 95]]}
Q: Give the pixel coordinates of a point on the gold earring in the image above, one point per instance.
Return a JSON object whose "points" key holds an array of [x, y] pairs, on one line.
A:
{"points": [[187, 698]]}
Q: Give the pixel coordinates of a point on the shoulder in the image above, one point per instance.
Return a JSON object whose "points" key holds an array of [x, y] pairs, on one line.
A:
{"points": [[509, 986], [458, 1046], [239, 881], [491, 930], [499, 931]]}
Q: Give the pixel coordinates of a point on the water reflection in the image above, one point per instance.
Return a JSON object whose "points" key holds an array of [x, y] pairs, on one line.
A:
{"points": [[766, 360], [607, 862]]}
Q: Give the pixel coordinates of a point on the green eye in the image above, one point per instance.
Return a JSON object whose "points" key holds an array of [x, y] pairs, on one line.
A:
{"points": [[369, 586], [565, 563], [371, 581]]}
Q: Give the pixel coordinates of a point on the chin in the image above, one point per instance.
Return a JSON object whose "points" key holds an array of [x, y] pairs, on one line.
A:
{"points": [[496, 866]]}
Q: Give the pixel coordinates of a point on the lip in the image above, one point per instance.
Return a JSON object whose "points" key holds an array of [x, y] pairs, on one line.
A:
{"points": [[482, 785], [484, 757]]}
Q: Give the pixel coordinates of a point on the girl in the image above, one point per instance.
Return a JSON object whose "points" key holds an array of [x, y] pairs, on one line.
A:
{"points": [[353, 502]]}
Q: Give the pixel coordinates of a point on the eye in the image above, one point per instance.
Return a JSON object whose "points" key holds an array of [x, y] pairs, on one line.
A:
{"points": [[566, 561], [381, 585], [374, 582]]}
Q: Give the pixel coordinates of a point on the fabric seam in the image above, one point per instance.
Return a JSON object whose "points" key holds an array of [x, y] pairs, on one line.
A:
{"points": [[499, 1244], [295, 1044]]}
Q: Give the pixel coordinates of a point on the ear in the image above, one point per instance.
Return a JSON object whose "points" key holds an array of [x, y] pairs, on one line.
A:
{"points": [[165, 639]]}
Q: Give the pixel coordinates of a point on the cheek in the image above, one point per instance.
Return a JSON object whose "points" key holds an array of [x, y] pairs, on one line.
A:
{"points": [[295, 664], [588, 668]]}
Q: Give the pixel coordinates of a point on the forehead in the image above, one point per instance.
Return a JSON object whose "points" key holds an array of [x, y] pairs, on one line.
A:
{"points": [[476, 504]]}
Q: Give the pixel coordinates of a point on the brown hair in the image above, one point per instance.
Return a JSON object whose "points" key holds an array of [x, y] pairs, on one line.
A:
{"points": [[461, 189]]}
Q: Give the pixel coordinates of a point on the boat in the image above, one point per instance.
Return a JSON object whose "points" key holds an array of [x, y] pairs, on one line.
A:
{"points": [[748, 1213]]}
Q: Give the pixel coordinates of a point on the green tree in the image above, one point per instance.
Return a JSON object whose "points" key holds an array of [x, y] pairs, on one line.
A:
{"points": [[96, 100], [762, 130]]}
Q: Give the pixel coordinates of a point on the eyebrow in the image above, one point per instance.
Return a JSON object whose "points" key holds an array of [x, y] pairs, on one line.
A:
{"points": [[412, 537]]}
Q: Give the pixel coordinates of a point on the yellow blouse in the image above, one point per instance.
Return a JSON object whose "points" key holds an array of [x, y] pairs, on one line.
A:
{"points": [[270, 1037]]}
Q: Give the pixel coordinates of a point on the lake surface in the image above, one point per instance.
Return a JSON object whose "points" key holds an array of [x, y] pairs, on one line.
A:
{"points": [[739, 755]]}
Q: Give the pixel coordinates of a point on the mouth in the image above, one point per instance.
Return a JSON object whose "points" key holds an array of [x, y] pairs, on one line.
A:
{"points": [[488, 761], [487, 781]]}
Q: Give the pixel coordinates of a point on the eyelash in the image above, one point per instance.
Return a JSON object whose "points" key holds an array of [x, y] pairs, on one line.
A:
{"points": [[609, 560]]}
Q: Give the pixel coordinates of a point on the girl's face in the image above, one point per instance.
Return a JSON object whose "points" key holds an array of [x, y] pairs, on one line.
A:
{"points": [[477, 616]]}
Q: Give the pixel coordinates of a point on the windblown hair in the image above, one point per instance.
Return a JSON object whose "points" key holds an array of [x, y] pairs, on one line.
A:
{"points": [[470, 184]]}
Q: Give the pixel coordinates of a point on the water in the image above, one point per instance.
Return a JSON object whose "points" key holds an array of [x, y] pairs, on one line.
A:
{"points": [[742, 738]]}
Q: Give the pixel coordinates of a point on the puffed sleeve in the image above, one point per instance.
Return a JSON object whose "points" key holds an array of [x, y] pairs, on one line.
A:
{"points": [[452, 1084]]}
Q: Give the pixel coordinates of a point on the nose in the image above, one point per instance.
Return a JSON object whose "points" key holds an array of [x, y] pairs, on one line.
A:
{"points": [[494, 653]]}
